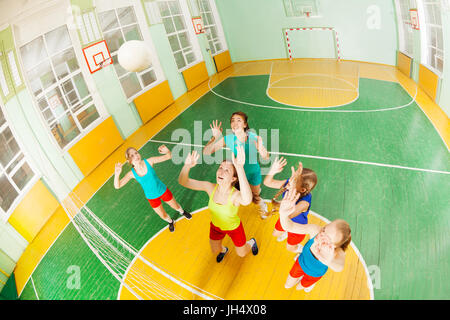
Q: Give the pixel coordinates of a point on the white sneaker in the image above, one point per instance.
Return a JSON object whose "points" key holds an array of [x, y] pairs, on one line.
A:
{"points": [[308, 289], [263, 212], [282, 237]]}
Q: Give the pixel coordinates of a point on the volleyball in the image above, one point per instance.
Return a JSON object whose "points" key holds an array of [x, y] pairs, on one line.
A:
{"points": [[134, 56]]}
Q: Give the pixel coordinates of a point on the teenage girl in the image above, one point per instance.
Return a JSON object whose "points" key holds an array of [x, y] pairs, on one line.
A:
{"points": [[154, 189], [325, 249], [305, 183], [253, 145], [224, 202]]}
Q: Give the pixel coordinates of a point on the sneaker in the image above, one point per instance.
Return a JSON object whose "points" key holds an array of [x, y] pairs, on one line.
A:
{"points": [[172, 226], [187, 215], [254, 247], [262, 210], [221, 255], [308, 289], [282, 237]]}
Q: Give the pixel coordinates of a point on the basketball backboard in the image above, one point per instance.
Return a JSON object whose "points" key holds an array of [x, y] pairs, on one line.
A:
{"points": [[97, 56]]}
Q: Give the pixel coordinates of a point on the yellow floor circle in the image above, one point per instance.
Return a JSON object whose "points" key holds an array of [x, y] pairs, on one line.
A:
{"points": [[180, 265]]}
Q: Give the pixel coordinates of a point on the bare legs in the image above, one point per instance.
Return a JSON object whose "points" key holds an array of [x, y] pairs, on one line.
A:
{"points": [[217, 247]]}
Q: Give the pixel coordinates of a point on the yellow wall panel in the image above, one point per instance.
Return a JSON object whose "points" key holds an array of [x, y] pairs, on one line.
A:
{"points": [[152, 102], [33, 211], [428, 81], [40, 245], [195, 75], [222, 60], [98, 144], [404, 63]]}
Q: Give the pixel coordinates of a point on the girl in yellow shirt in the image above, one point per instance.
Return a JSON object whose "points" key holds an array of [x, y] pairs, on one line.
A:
{"points": [[224, 202]]}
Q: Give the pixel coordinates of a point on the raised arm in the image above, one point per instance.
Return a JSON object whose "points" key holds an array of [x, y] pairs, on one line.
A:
{"points": [[245, 195], [185, 181], [261, 149], [119, 183], [217, 141], [276, 167], [166, 155], [287, 207]]}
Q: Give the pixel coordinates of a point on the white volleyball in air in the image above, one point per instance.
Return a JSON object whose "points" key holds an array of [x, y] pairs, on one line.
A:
{"points": [[134, 56]]}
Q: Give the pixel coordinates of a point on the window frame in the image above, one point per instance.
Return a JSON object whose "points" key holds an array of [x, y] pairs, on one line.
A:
{"points": [[155, 64], [189, 31], [59, 84], [405, 43], [5, 215], [220, 38], [425, 35]]}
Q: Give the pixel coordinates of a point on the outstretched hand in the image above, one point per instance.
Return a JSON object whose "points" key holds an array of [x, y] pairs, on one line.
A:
{"points": [[163, 149], [118, 169], [216, 128], [239, 160], [277, 166], [287, 205], [295, 175], [191, 159]]}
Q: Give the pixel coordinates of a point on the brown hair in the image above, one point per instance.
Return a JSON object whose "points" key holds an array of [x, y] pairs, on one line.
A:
{"points": [[235, 175], [244, 116], [307, 180], [346, 232]]}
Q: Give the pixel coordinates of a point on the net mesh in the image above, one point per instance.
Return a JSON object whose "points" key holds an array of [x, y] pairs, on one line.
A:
{"points": [[143, 278]]}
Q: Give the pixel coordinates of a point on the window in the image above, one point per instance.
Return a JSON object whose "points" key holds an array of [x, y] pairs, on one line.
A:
{"points": [[406, 35], [120, 25], [15, 172], [433, 46], [56, 81], [174, 22], [209, 23]]}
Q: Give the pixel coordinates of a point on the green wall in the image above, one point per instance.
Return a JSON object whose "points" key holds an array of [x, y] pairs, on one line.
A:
{"points": [[253, 28]]}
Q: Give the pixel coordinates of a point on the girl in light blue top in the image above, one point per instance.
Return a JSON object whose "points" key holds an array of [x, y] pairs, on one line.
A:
{"points": [[252, 144], [155, 190], [325, 249]]}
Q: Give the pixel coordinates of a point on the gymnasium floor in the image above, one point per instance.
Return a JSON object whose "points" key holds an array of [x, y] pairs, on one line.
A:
{"points": [[382, 165]]}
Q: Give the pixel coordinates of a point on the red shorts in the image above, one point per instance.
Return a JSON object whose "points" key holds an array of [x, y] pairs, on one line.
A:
{"points": [[293, 238], [297, 272], [237, 235], [166, 196]]}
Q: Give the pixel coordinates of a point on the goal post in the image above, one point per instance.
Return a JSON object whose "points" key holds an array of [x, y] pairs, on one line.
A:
{"points": [[312, 42]]}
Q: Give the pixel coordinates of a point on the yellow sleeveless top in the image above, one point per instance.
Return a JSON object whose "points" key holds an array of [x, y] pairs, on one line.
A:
{"points": [[224, 216]]}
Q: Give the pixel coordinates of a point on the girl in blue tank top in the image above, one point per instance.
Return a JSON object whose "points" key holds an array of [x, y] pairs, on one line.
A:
{"points": [[325, 249], [307, 180], [154, 189], [241, 135]]}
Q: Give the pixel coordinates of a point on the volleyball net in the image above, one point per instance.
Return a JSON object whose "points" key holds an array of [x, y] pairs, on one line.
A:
{"points": [[144, 279]]}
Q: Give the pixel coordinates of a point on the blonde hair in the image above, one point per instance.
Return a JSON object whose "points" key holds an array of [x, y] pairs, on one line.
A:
{"points": [[344, 228], [126, 154]]}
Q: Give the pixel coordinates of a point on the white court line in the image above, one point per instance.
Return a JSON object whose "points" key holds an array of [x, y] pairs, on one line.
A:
{"points": [[270, 86], [34, 288], [310, 109], [322, 88], [322, 158], [190, 287], [358, 253]]}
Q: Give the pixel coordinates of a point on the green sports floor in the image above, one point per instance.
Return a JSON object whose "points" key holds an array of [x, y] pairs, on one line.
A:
{"points": [[384, 171]]}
